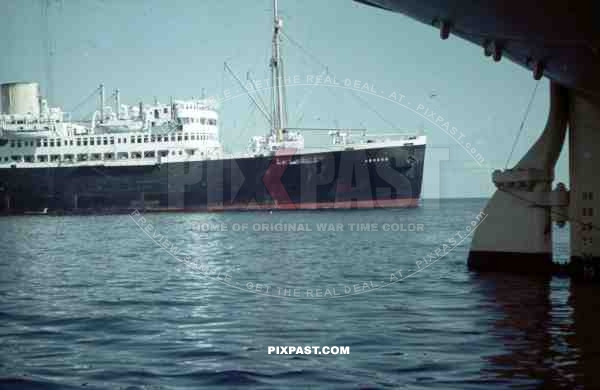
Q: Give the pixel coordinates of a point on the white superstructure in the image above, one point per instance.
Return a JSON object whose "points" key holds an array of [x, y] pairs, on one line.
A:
{"points": [[183, 130]]}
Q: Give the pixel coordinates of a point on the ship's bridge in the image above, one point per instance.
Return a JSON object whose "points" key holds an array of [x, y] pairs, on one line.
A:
{"points": [[198, 116]]}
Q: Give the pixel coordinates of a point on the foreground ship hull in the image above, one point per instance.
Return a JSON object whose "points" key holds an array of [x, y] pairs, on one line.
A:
{"points": [[364, 178]]}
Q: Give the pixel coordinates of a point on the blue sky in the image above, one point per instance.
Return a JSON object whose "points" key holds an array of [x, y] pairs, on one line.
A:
{"points": [[158, 48]]}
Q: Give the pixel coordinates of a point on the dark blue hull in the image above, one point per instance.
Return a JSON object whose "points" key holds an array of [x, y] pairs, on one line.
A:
{"points": [[382, 177]]}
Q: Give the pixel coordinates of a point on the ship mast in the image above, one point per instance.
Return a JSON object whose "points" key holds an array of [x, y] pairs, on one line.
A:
{"points": [[277, 80]]}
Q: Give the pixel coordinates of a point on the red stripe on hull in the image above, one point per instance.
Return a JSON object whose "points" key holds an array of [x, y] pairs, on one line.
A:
{"points": [[338, 205], [341, 205]]}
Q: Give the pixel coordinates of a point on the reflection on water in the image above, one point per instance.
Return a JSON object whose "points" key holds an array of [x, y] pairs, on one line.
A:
{"points": [[547, 328], [584, 338]]}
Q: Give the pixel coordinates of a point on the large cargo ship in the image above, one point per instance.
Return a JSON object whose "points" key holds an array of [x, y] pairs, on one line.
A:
{"points": [[168, 157]]}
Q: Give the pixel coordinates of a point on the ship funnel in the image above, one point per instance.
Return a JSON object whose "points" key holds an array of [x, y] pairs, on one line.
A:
{"points": [[20, 98]]}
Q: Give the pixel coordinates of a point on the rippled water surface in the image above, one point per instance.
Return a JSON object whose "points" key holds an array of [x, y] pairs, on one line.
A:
{"points": [[96, 302]]}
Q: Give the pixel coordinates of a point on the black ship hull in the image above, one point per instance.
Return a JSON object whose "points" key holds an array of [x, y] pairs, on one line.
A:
{"points": [[362, 178]]}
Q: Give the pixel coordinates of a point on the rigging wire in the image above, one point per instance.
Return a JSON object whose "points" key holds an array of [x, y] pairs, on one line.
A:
{"points": [[249, 117], [248, 93], [80, 104], [256, 90], [300, 114], [522, 123], [352, 93]]}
